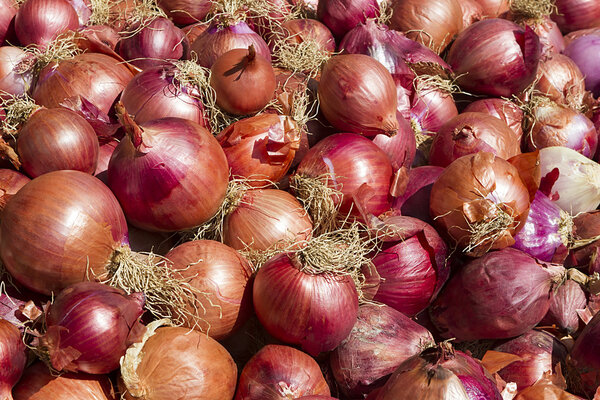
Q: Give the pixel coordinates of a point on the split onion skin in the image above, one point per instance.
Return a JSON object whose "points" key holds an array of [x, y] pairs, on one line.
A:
{"points": [[505, 110]]}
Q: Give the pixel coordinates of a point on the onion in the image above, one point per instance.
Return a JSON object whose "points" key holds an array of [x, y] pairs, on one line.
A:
{"points": [[568, 299], [440, 373], [504, 109], [39, 383], [539, 352], [105, 126], [380, 341], [584, 356], [12, 357], [494, 8], [220, 38], [15, 76], [414, 200], [499, 295], [96, 77], [579, 33], [279, 373], [469, 133], [155, 42], [341, 16], [160, 167], [584, 52], [103, 34], [260, 148], [176, 362], [499, 57], [570, 179], [221, 276], [39, 22], [400, 148], [11, 182], [309, 30], [54, 139], [560, 79], [411, 264], [184, 12], [243, 81], [585, 240], [551, 39], [192, 32], [8, 9], [357, 94], [431, 105], [431, 22], [89, 327], [472, 11], [479, 202], [572, 15]]}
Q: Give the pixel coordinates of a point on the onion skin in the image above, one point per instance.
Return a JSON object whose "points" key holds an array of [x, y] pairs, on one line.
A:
{"points": [[430, 108], [469, 133], [86, 242], [104, 154], [572, 15], [185, 12], [39, 383], [400, 148], [380, 341], [568, 298], [584, 52], [357, 94], [224, 276], [192, 32], [462, 311], [152, 197], [11, 182], [340, 16], [97, 77], [314, 311], [551, 39], [472, 12], [414, 201], [584, 356], [54, 139], [41, 21], [12, 79], [494, 8], [280, 372], [260, 148], [499, 57], [503, 109], [585, 227], [12, 357]]}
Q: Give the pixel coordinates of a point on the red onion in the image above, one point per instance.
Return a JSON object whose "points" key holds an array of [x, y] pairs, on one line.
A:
{"points": [[316, 398], [39, 383], [309, 30], [440, 373], [506, 110], [539, 352], [160, 166], [411, 264], [222, 277], [41, 21], [572, 15], [341, 16], [499, 57], [12, 357], [429, 107], [192, 32], [469, 133], [280, 373], [96, 77], [101, 33], [8, 9], [560, 79], [15, 76], [563, 312], [499, 295], [551, 39], [357, 94], [380, 341], [219, 38], [584, 356], [579, 33], [414, 200], [157, 41], [54, 139], [184, 12], [11, 182], [401, 147], [479, 202], [89, 327], [84, 11], [584, 52], [105, 126]]}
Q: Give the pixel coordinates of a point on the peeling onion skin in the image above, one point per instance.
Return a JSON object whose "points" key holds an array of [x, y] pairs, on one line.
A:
{"points": [[340, 16], [561, 80], [11, 182]]}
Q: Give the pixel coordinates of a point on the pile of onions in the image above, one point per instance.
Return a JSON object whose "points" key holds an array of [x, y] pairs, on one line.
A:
{"points": [[185, 12], [281, 372], [39, 383], [414, 200], [221, 276], [440, 373], [341, 16], [12, 357], [499, 295], [357, 94], [159, 173], [41, 21], [242, 71], [469, 133], [8, 10], [177, 362], [479, 202], [54, 139], [572, 15], [584, 52], [13, 78], [261, 148], [566, 302], [495, 57], [155, 42], [504, 109], [89, 327], [380, 341], [431, 22], [560, 79]]}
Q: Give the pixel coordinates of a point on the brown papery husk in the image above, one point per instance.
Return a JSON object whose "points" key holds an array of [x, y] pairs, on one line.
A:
{"points": [[561, 80]]}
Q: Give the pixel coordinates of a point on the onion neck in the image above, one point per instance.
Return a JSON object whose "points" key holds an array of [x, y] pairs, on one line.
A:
{"points": [[133, 130]]}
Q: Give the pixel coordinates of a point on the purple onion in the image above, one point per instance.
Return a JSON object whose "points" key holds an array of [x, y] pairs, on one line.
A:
{"points": [[428, 108], [341, 16], [569, 298], [414, 201], [504, 109], [104, 126], [546, 231], [585, 51]]}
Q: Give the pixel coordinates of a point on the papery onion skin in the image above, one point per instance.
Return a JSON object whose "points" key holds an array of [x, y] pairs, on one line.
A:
{"points": [[8, 10], [54, 139], [401, 147], [13, 79], [357, 94], [267, 218], [560, 79], [380, 341], [103, 33], [584, 52], [499, 57], [520, 286], [579, 33], [41, 21], [39, 383], [97, 77], [72, 211], [88, 326], [279, 372], [414, 201], [11, 182], [192, 32], [341, 16], [469, 133], [585, 229], [13, 357], [314, 311], [503, 109], [568, 299], [185, 12], [224, 276], [584, 356], [572, 15]]}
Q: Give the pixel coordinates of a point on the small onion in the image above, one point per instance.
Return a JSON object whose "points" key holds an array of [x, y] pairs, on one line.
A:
{"points": [[8, 9], [584, 356], [560, 79], [14, 78], [89, 326], [568, 299], [504, 109], [499, 295], [572, 15], [279, 373], [184, 12], [341, 16], [12, 357], [40, 21], [499, 57], [584, 52]]}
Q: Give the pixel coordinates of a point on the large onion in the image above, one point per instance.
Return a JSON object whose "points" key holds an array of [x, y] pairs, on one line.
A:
{"points": [[41, 21]]}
